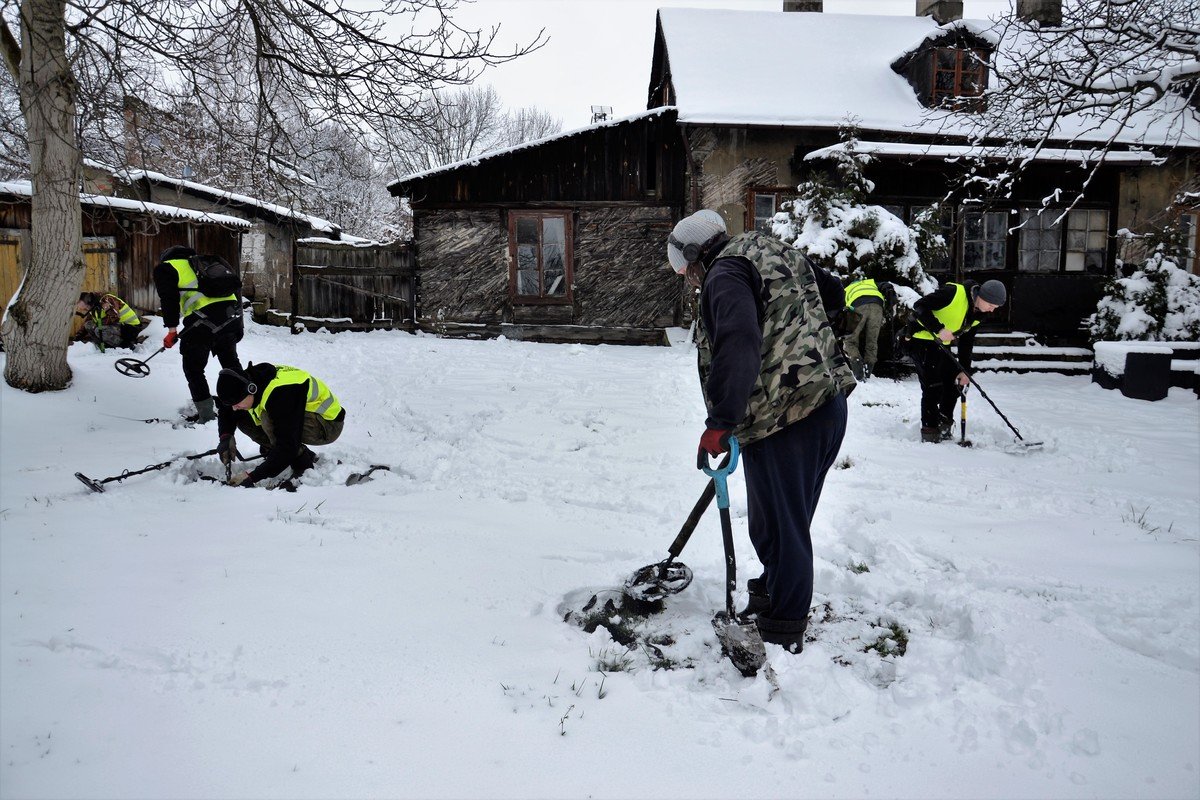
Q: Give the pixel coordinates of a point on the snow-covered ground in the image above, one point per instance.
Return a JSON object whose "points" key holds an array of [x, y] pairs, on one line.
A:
{"points": [[175, 638]]}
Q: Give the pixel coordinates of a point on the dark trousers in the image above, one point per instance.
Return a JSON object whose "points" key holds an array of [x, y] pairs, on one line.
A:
{"points": [[784, 476], [314, 430], [937, 373], [200, 341]]}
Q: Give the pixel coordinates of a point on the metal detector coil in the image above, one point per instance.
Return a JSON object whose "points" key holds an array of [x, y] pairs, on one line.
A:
{"points": [[656, 581], [132, 367]]}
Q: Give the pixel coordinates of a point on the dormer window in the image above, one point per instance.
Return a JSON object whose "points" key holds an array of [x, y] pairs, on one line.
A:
{"points": [[948, 70], [957, 73]]}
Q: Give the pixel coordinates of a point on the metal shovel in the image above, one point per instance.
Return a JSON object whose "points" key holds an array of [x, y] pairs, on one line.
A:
{"points": [[740, 642]]}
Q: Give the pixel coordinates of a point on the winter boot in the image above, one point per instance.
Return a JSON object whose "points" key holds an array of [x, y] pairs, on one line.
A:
{"points": [[303, 461], [946, 429], [759, 601], [204, 411], [931, 434], [789, 633]]}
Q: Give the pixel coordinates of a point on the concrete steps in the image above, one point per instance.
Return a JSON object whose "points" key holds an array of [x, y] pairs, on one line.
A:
{"points": [[1020, 352]]}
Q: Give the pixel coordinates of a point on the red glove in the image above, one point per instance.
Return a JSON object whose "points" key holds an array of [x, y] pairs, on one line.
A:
{"points": [[169, 339], [714, 442]]}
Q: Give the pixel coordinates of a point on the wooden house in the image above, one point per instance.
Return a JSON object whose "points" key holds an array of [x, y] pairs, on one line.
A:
{"points": [[556, 240], [122, 240], [737, 134]]}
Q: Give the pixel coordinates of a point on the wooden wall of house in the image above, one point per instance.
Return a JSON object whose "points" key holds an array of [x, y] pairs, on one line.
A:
{"points": [[640, 160], [462, 266], [621, 278]]}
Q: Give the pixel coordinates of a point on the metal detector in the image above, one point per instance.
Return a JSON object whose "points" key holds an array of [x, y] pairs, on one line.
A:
{"points": [[98, 485], [1020, 439], [653, 582]]}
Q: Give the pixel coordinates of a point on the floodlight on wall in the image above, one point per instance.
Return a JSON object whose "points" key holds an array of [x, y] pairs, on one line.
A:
{"points": [[601, 113]]}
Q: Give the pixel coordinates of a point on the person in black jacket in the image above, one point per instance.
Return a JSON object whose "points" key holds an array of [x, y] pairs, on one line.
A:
{"points": [[212, 325], [773, 376], [283, 409], [949, 314]]}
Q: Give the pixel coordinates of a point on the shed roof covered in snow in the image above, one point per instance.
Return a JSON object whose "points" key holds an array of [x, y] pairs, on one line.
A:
{"points": [[814, 70], [24, 189], [252, 205]]}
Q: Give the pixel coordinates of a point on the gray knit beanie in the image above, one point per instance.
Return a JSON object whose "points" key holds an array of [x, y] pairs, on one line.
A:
{"points": [[695, 229], [993, 292]]}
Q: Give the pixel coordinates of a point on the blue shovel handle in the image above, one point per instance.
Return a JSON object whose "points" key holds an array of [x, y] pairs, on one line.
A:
{"points": [[721, 472]]}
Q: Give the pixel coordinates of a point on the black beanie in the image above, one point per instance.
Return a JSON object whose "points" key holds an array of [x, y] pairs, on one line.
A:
{"points": [[232, 387]]}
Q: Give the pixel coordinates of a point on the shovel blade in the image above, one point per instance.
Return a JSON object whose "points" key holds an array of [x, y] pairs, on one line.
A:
{"points": [[363, 477], [741, 643]]}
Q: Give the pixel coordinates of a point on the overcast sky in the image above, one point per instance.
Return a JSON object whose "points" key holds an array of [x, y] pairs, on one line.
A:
{"points": [[599, 51]]}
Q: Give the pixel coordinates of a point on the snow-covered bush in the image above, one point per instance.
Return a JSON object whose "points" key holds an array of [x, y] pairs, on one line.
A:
{"points": [[834, 225], [1160, 301]]}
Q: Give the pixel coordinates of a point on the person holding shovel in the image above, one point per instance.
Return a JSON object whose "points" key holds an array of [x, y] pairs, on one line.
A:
{"points": [[948, 315], [212, 324], [772, 376], [284, 410]]}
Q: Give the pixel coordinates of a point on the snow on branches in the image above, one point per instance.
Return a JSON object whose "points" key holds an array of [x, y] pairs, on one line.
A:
{"points": [[833, 224]]}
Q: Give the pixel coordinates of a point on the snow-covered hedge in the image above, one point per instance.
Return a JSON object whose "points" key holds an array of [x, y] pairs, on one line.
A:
{"points": [[1158, 302]]}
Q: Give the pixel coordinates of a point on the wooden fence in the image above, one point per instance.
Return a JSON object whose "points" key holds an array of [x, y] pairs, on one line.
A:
{"points": [[353, 287]]}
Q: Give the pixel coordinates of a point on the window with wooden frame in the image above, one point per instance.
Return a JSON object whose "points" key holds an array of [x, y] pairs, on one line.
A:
{"points": [[1191, 226], [1041, 240], [959, 74], [985, 239], [540, 256], [1087, 240], [763, 204]]}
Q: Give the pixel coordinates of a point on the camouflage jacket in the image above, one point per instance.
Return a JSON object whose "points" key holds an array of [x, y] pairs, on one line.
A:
{"points": [[802, 366]]}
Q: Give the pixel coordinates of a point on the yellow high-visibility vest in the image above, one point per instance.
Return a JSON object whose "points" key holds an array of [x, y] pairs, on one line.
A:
{"points": [[952, 315], [320, 400], [864, 288]]}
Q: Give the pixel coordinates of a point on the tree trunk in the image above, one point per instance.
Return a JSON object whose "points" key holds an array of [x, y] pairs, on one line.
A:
{"points": [[36, 325]]}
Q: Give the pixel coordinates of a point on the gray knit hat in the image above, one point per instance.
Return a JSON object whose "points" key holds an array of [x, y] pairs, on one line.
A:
{"points": [[695, 229], [993, 292]]}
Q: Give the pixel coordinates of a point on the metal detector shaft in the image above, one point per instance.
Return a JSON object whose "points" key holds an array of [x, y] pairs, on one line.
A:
{"points": [[975, 383], [98, 486], [689, 525]]}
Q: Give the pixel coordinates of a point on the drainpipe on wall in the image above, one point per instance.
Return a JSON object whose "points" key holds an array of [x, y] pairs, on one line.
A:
{"points": [[693, 173]]}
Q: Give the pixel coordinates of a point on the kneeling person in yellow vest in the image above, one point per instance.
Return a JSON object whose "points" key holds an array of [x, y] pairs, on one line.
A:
{"points": [[283, 409], [108, 321]]}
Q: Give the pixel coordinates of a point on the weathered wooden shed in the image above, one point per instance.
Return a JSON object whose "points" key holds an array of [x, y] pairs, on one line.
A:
{"points": [[268, 246], [122, 240], [561, 239]]}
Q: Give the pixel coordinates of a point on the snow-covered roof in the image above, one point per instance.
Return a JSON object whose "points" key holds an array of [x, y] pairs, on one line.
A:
{"points": [[474, 160], [949, 152], [25, 189], [316, 223], [814, 70]]}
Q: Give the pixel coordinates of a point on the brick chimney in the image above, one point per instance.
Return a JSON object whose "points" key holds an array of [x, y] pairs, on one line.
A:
{"points": [[804, 5], [942, 11], [1047, 13]]}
